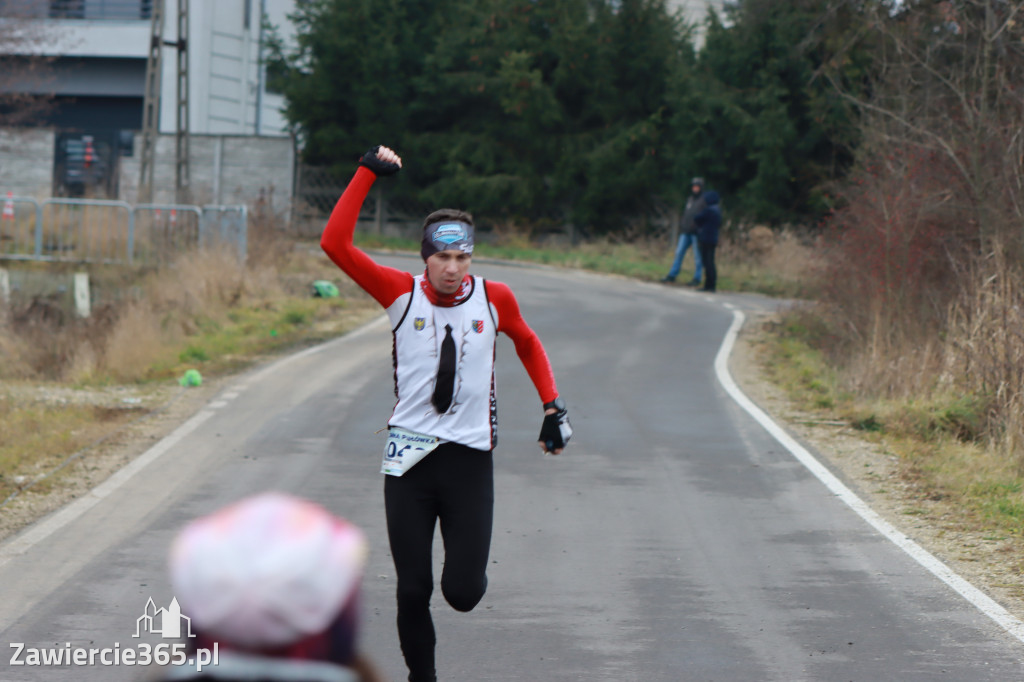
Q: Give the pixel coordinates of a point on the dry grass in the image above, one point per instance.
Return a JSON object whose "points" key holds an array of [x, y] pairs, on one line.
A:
{"points": [[204, 310], [199, 308], [772, 262], [951, 439], [511, 235], [136, 338], [967, 351], [37, 436], [983, 353]]}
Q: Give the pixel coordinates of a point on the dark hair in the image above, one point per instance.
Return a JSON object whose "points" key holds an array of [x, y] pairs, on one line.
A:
{"points": [[452, 214]]}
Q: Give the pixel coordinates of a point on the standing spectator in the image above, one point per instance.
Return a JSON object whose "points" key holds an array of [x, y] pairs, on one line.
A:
{"points": [[688, 234], [708, 222], [442, 432]]}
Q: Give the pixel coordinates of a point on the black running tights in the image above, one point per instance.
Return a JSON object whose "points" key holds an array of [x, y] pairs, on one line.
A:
{"points": [[454, 485]]}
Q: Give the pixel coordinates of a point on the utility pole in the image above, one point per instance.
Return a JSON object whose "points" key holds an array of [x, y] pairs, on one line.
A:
{"points": [[151, 105], [182, 187]]}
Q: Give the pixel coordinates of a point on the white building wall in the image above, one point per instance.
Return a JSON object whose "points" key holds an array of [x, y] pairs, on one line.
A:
{"points": [[224, 69], [695, 10]]}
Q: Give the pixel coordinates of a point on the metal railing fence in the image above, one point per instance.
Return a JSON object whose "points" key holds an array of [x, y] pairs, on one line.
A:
{"points": [[225, 225], [21, 229], [115, 232], [87, 230], [163, 230]]}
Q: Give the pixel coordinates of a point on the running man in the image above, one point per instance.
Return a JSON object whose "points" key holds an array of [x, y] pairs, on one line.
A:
{"points": [[442, 432]]}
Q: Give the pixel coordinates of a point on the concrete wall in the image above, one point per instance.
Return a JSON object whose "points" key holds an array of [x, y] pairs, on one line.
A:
{"points": [[26, 162], [224, 169]]}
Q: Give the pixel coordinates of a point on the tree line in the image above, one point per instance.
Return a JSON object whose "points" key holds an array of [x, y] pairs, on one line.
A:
{"points": [[893, 129], [595, 112]]}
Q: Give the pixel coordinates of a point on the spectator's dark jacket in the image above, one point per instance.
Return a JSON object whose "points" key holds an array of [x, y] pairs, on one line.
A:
{"points": [[694, 205], [709, 220]]}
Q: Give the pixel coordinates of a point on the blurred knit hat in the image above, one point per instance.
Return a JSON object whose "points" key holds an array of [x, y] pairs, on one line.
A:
{"points": [[266, 572]]}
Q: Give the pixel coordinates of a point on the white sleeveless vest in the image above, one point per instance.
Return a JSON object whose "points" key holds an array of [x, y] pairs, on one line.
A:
{"points": [[418, 329]]}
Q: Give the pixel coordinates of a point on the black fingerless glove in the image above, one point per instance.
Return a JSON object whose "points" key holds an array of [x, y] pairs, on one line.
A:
{"points": [[380, 168], [556, 431]]}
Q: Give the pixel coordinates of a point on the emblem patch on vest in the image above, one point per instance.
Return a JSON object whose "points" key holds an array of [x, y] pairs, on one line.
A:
{"points": [[419, 323], [478, 326]]}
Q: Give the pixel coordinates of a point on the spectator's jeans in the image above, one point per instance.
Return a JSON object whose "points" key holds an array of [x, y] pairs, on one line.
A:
{"points": [[685, 240]]}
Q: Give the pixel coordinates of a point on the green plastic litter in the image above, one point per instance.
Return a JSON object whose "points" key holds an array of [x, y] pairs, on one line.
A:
{"points": [[324, 289], [191, 377]]}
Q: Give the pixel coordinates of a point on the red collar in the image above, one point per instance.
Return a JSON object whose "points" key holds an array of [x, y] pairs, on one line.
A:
{"points": [[446, 300]]}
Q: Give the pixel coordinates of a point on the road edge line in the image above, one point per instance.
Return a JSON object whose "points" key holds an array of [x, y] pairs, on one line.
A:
{"points": [[929, 561]]}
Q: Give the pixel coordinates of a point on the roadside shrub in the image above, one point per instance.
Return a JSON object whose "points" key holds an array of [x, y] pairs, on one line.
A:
{"points": [[885, 279], [984, 349]]}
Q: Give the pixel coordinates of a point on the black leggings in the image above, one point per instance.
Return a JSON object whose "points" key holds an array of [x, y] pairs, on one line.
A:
{"points": [[707, 256], [453, 484]]}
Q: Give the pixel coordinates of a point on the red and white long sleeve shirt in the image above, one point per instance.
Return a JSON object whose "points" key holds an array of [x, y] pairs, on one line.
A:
{"points": [[476, 313]]}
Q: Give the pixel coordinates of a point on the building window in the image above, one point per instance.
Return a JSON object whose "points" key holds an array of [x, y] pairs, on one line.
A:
{"points": [[101, 10]]}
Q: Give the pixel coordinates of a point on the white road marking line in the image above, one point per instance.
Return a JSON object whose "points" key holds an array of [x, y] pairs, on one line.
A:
{"points": [[979, 599]]}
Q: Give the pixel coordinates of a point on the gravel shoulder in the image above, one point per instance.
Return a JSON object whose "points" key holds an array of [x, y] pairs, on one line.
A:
{"points": [[864, 466], [987, 562]]}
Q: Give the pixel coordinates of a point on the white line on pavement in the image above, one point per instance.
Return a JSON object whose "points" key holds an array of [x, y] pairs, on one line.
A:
{"points": [[940, 570]]}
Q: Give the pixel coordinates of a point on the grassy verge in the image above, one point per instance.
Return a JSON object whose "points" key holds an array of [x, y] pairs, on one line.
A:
{"points": [[226, 344], [36, 437], [951, 474], [67, 383], [775, 271]]}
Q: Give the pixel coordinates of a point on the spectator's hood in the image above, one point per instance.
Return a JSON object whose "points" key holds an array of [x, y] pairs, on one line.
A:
{"points": [[711, 197]]}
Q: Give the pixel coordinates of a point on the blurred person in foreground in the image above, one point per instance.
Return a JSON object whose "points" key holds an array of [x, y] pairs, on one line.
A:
{"points": [[272, 584], [438, 459]]}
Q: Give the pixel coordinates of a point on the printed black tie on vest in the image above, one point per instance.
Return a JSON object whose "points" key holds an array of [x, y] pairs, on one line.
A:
{"points": [[445, 384]]}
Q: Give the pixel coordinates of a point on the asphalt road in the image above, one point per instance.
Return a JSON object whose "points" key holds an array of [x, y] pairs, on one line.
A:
{"points": [[675, 540]]}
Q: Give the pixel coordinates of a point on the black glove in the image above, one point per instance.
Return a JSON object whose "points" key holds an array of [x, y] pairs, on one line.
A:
{"points": [[380, 168], [556, 431]]}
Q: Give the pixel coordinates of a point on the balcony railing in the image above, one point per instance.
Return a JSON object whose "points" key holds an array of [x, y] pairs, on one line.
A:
{"points": [[101, 10]]}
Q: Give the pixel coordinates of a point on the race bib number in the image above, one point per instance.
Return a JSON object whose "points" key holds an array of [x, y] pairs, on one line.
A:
{"points": [[404, 449]]}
